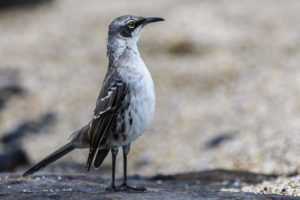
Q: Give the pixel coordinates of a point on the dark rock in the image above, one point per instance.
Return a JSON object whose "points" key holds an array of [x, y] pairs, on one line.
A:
{"points": [[12, 158], [181, 47], [18, 3], [28, 127], [9, 86], [13, 155], [218, 140], [8, 91]]}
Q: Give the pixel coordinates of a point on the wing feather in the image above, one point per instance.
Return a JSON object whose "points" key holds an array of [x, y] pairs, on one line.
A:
{"points": [[111, 97]]}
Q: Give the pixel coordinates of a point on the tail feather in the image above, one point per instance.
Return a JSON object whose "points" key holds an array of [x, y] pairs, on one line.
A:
{"points": [[100, 156], [51, 158]]}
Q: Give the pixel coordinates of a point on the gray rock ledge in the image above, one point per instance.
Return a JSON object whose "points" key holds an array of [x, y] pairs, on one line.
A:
{"points": [[196, 185]]}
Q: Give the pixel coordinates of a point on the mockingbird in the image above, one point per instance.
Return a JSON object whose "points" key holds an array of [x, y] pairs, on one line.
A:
{"points": [[124, 107]]}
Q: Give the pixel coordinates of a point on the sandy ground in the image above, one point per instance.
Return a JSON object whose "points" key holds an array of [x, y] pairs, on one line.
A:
{"points": [[220, 68]]}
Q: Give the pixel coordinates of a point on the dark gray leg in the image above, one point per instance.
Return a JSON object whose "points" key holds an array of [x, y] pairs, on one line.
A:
{"points": [[124, 186], [126, 150], [114, 152]]}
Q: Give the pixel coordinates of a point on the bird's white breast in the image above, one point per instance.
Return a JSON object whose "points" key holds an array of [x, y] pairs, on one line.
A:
{"points": [[141, 95]]}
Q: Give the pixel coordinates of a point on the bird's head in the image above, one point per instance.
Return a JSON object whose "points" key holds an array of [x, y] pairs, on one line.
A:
{"points": [[129, 27], [124, 33]]}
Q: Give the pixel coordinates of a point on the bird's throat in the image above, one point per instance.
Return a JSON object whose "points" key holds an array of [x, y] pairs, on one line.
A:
{"points": [[117, 47]]}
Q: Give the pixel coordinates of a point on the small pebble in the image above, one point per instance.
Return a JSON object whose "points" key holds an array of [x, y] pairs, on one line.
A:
{"points": [[236, 183], [66, 189]]}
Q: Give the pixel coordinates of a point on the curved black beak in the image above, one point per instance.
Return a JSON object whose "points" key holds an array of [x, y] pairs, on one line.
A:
{"points": [[152, 19]]}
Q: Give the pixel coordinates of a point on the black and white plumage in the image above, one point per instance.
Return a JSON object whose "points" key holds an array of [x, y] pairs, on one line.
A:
{"points": [[125, 104]]}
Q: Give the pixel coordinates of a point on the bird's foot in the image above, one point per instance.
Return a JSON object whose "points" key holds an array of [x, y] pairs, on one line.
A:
{"points": [[125, 188], [112, 188]]}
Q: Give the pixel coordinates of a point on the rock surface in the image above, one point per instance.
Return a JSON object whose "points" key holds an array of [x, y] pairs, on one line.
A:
{"points": [[196, 185]]}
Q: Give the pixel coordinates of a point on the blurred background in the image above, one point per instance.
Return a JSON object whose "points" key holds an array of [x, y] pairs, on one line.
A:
{"points": [[226, 74]]}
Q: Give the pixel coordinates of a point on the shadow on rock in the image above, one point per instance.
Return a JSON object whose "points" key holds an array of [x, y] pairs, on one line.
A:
{"points": [[218, 175]]}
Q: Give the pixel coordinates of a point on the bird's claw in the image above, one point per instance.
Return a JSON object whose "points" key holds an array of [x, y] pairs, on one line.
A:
{"points": [[111, 189], [125, 188]]}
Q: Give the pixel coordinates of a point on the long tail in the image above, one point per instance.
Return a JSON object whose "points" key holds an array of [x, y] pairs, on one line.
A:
{"points": [[51, 158]]}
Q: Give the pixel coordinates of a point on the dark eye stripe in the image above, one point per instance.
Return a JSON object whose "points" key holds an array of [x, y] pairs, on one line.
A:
{"points": [[126, 30]]}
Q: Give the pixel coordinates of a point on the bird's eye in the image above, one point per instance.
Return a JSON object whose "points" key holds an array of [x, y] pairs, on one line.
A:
{"points": [[131, 24]]}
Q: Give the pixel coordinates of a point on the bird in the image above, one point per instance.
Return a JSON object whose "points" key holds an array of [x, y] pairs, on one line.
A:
{"points": [[125, 105]]}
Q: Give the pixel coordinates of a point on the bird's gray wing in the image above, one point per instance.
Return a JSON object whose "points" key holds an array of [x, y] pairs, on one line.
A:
{"points": [[111, 97]]}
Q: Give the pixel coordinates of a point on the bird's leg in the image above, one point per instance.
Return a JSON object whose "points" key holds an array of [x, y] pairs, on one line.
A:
{"points": [[126, 150], [114, 152], [124, 186]]}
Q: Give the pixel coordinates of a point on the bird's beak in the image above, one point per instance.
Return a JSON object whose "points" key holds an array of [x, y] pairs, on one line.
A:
{"points": [[151, 19]]}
